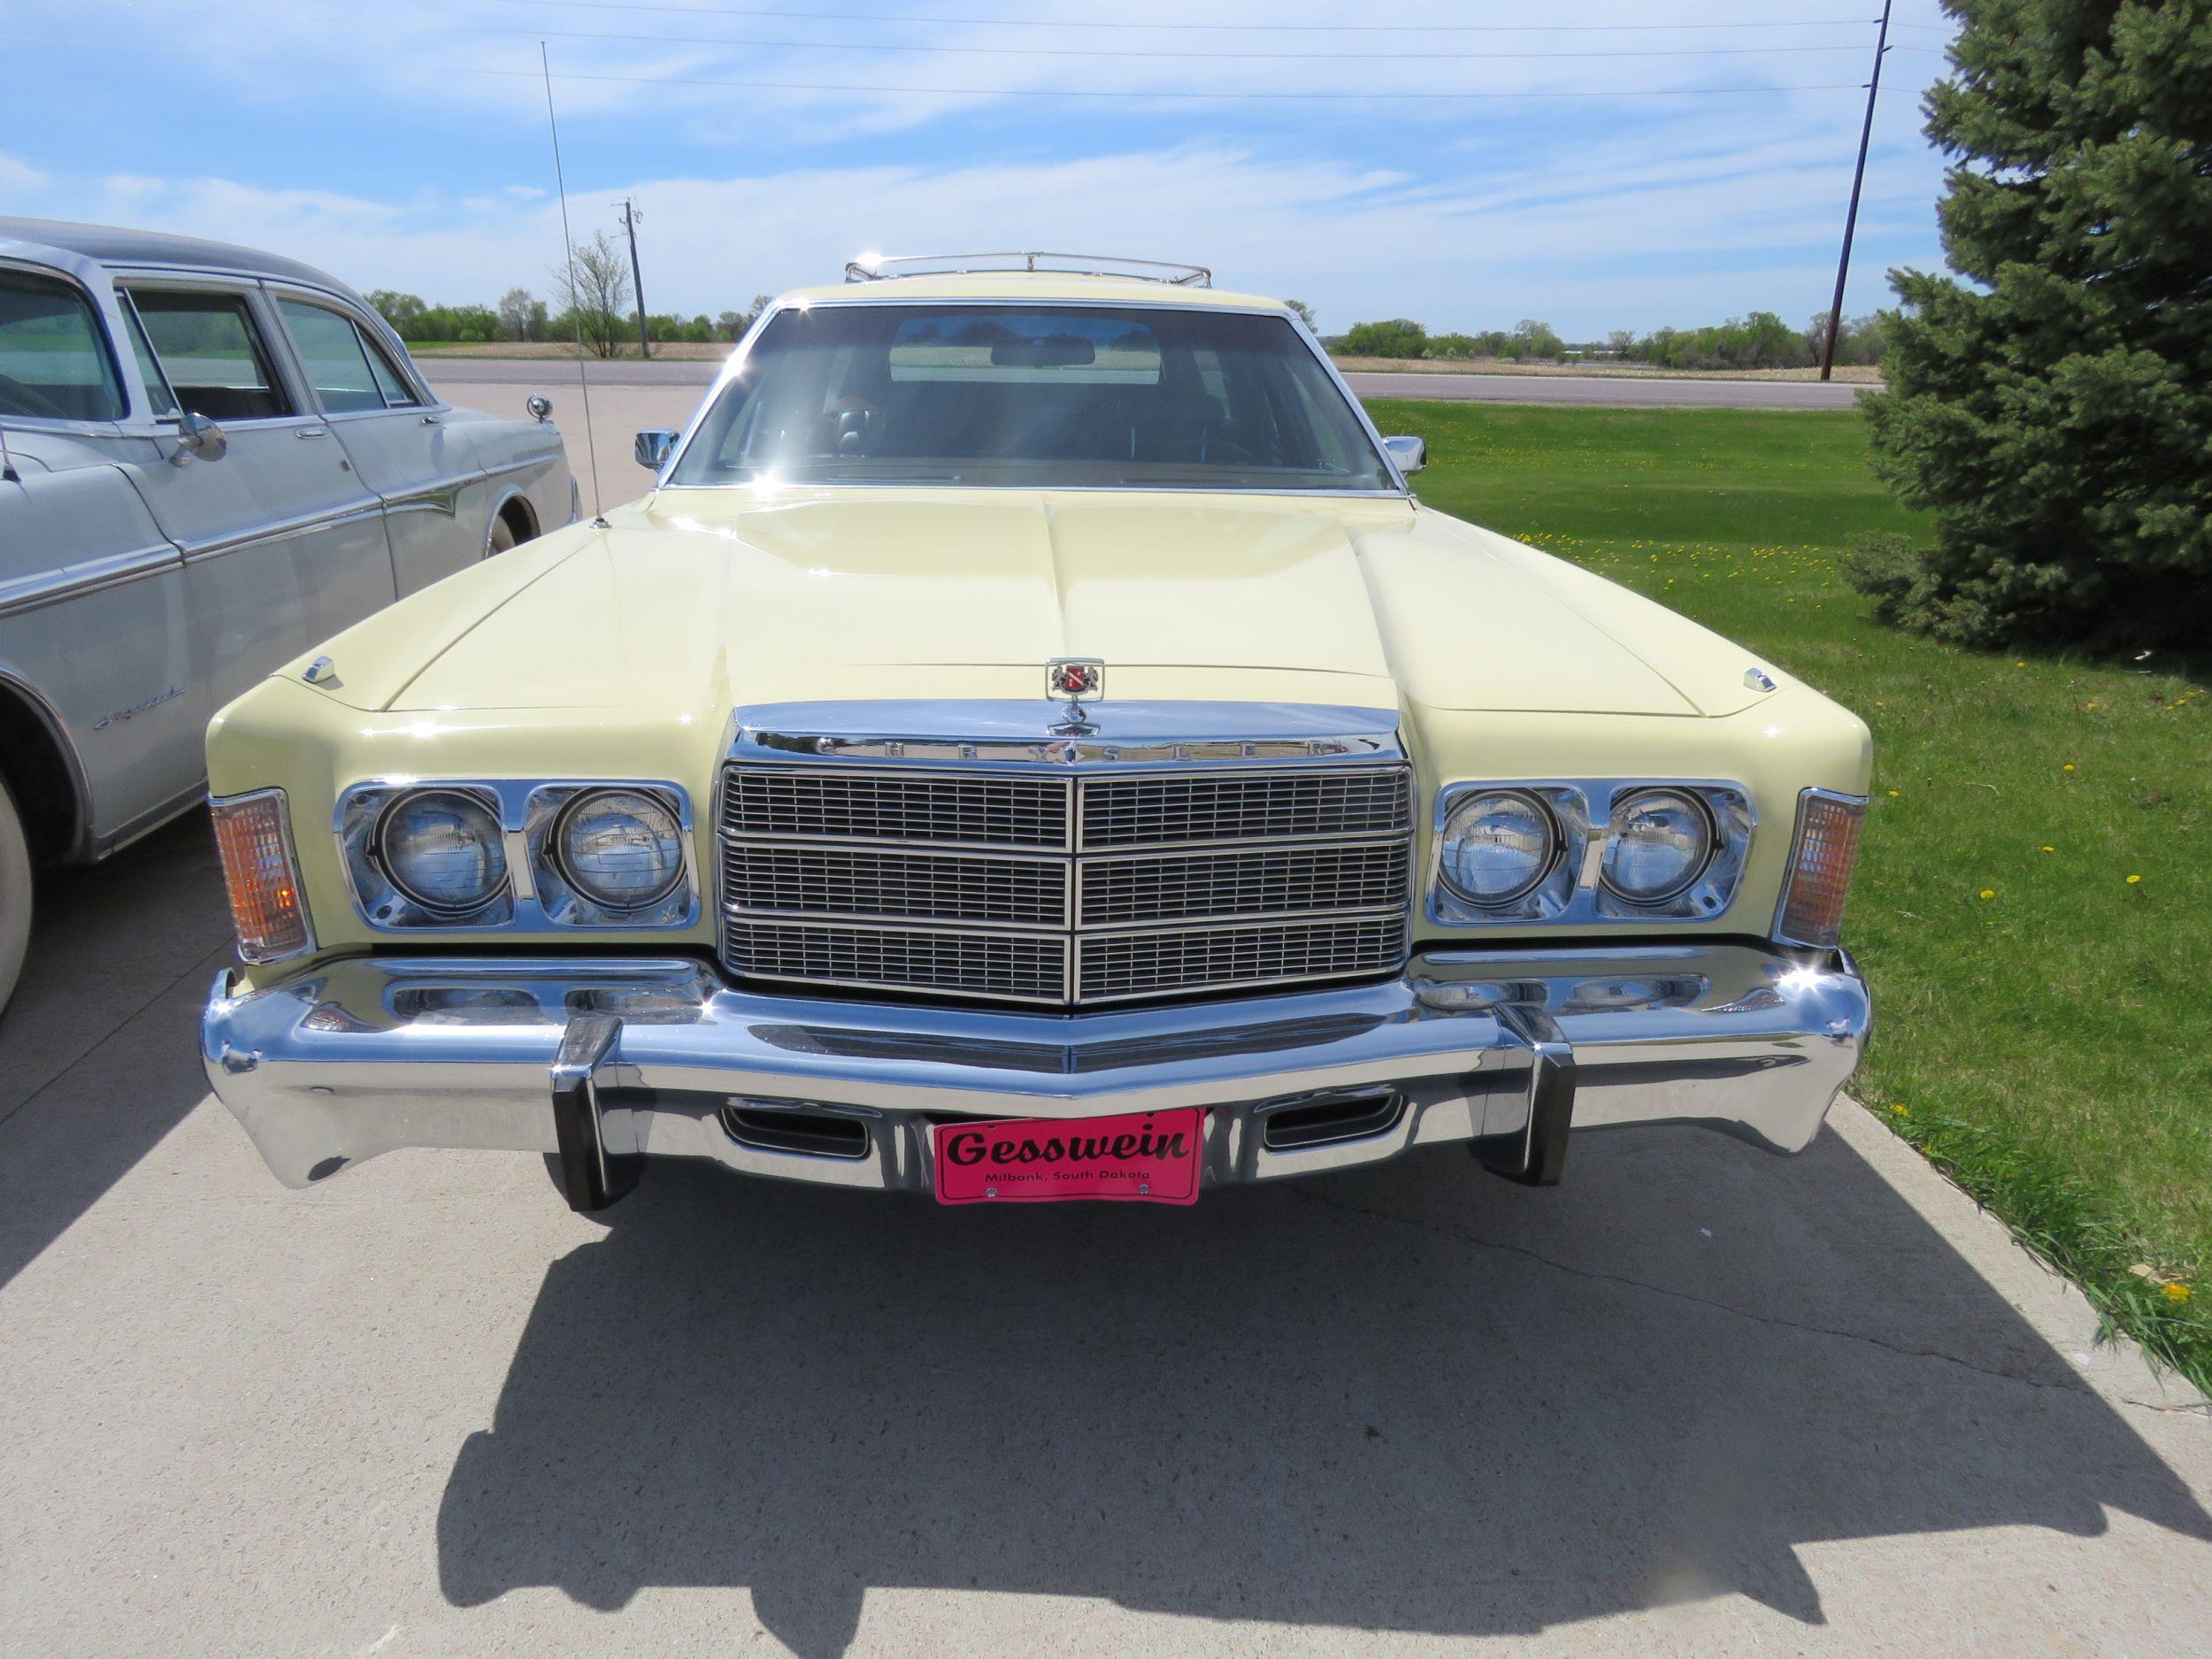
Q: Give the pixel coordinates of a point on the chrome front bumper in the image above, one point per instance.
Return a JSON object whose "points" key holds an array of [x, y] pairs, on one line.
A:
{"points": [[608, 1060]]}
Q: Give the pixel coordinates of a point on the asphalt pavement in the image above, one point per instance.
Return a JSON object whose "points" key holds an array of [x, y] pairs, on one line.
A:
{"points": [[1696, 1401]]}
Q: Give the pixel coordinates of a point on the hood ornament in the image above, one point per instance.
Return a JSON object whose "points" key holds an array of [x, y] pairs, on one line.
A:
{"points": [[1069, 679]]}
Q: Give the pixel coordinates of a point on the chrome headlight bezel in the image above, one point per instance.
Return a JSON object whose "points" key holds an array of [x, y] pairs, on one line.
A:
{"points": [[1547, 821], [564, 901], [537, 897], [1575, 891], [385, 903], [1551, 895]]}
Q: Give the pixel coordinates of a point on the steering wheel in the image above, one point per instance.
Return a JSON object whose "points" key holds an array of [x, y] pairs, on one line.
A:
{"points": [[46, 408], [1227, 449]]}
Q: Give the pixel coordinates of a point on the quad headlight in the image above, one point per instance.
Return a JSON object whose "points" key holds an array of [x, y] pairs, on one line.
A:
{"points": [[1659, 841], [1567, 852], [1497, 845], [441, 850], [518, 855], [621, 849]]}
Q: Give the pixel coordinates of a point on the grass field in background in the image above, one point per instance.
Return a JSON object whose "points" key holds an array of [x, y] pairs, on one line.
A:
{"points": [[2033, 906]]}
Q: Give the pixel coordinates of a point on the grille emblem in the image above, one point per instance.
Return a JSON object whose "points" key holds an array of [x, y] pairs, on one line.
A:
{"points": [[1073, 678]]}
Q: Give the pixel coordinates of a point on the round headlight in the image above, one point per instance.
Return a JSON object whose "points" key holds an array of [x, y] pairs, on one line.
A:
{"points": [[442, 849], [621, 849], [1498, 846], [1661, 841]]}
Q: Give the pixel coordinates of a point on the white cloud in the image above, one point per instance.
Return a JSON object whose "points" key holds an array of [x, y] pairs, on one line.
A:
{"points": [[1591, 239], [18, 176]]}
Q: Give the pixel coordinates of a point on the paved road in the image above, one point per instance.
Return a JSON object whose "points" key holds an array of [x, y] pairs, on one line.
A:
{"points": [[1697, 1400], [1653, 391]]}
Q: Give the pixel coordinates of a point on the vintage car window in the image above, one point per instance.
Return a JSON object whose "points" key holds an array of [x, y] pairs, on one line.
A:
{"points": [[159, 398], [54, 359], [389, 380], [1036, 396], [211, 353], [336, 363]]}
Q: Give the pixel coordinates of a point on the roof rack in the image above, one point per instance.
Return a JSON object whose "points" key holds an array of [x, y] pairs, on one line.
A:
{"points": [[875, 268]]}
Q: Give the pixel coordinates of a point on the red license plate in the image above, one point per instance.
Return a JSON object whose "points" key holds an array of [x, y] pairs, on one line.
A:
{"points": [[1150, 1156]]}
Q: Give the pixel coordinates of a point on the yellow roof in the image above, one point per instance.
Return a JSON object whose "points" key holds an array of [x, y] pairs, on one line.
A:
{"points": [[1023, 285]]}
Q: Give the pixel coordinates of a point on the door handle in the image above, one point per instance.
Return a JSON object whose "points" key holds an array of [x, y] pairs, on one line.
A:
{"points": [[313, 432]]}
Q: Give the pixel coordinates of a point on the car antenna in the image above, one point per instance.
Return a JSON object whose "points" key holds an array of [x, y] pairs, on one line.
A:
{"points": [[575, 308], [8, 474]]}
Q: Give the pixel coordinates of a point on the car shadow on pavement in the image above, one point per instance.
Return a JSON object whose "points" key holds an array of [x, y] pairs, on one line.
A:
{"points": [[1412, 1398], [98, 1049]]}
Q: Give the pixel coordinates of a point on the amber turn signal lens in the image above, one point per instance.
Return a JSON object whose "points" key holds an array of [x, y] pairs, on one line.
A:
{"points": [[255, 846], [1820, 870]]}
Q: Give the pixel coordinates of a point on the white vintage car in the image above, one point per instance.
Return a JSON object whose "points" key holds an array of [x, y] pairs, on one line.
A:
{"points": [[1030, 742], [210, 459]]}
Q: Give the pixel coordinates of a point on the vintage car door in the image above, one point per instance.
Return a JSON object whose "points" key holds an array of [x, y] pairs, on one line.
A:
{"points": [[283, 540], [92, 637], [437, 504]]}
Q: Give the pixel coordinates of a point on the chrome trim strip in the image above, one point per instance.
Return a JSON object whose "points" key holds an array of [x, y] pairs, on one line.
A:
{"points": [[330, 518], [88, 576]]}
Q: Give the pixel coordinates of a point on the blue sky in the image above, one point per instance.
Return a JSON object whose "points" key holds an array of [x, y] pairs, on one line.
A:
{"points": [[1624, 166]]}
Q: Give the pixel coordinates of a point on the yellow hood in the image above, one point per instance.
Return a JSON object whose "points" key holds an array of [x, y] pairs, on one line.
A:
{"points": [[698, 601]]}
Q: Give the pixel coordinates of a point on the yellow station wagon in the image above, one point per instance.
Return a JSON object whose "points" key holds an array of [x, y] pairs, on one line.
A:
{"points": [[1030, 742]]}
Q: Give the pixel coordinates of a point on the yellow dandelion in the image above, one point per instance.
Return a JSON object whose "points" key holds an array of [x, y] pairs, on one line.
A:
{"points": [[1902, 1111], [2050, 850], [2023, 664], [1991, 892], [2135, 881], [1894, 793], [2068, 766], [2175, 1292]]}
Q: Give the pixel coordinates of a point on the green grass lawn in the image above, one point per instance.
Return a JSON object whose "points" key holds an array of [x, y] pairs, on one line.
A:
{"points": [[2033, 905]]}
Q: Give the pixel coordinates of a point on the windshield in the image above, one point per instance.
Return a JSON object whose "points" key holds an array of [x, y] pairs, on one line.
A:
{"points": [[1040, 396]]}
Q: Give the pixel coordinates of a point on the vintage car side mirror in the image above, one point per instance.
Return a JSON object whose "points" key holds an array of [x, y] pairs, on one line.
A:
{"points": [[540, 405], [198, 437], [653, 447], [1410, 454]]}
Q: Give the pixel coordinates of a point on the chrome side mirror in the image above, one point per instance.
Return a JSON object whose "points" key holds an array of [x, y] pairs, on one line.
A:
{"points": [[1409, 454], [540, 405], [653, 447], [199, 438]]}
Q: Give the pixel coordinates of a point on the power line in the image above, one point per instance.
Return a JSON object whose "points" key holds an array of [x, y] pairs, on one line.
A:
{"points": [[925, 20], [935, 49], [1380, 93]]}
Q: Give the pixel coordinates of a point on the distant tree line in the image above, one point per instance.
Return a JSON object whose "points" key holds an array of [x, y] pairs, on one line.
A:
{"points": [[1761, 340], [594, 295]]}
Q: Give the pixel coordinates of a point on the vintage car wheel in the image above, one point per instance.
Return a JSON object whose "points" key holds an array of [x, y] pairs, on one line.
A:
{"points": [[501, 538], [15, 894]]}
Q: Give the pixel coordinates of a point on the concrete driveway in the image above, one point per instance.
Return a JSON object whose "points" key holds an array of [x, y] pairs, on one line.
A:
{"points": [[1697, 1400]]}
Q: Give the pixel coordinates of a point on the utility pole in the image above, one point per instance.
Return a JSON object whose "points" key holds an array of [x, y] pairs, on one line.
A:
{"points": [[1851, 218], [629, 216]]}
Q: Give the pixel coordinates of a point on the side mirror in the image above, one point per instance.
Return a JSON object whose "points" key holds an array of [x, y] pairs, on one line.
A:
{"points": [[199, 438], [653, 447], [1410, 455], [540, 405]]}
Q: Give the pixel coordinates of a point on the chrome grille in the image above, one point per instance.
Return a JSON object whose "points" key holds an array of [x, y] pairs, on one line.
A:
{"points": [[1026, 967], [1120, 965], [1061, 888], [988, 810], [1254, 881], [1243, 806], [881, 883]]}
